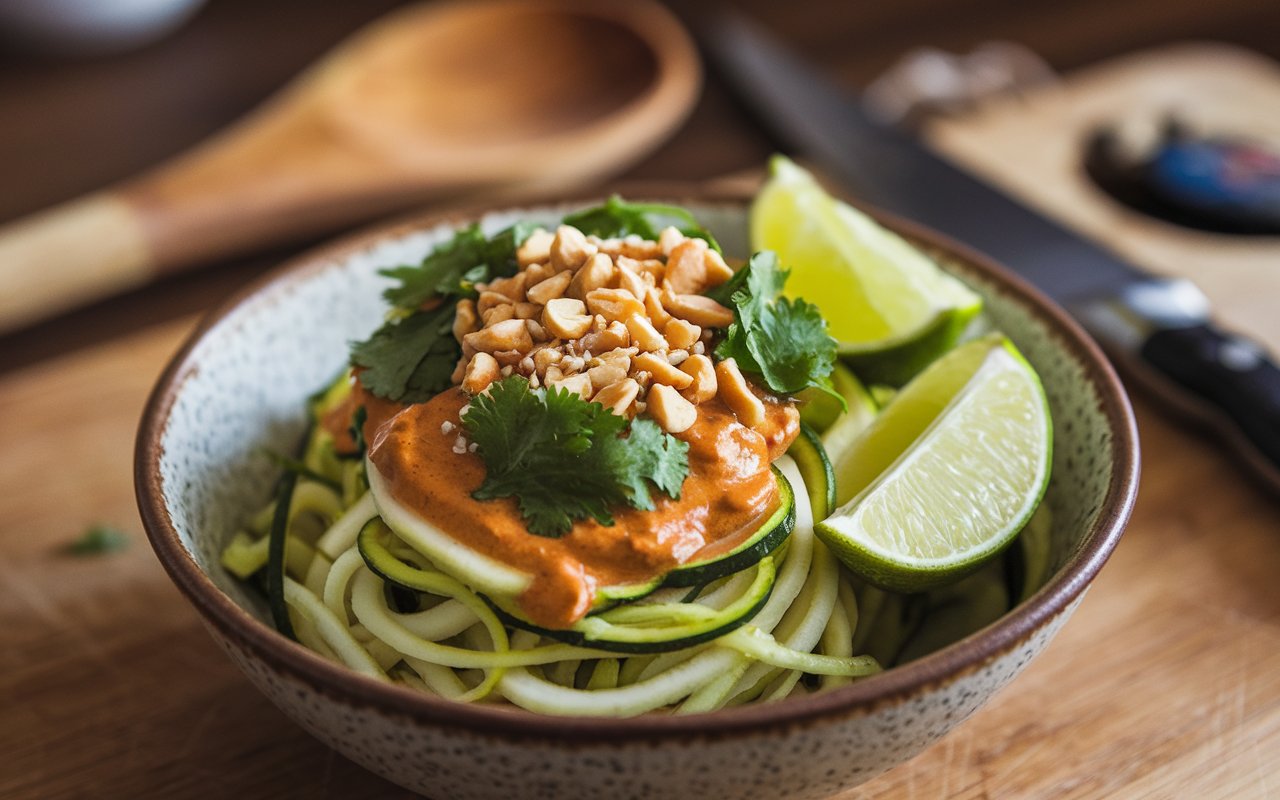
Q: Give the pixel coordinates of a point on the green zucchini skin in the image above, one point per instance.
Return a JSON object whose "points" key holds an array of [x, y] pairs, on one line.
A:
{"points": [[657, 644], [819, 476], [275, 556], [379, 559], [767, 538]]}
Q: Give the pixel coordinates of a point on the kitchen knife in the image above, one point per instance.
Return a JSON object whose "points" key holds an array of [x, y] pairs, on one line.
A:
{"points": [[1158, 330]]}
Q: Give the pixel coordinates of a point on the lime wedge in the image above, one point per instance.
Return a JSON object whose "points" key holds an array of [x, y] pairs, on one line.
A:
{"points": [[947, 474], [888, 304]]}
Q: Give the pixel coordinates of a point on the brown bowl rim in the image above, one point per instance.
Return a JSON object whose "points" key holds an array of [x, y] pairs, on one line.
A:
{"points": [[892, 686]]}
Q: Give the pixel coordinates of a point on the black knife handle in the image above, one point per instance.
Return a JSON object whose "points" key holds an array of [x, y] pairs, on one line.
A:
{"points": [[1228, 372]]}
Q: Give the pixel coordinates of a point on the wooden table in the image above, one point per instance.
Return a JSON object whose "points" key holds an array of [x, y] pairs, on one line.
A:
{"points": [[1165, 684]]}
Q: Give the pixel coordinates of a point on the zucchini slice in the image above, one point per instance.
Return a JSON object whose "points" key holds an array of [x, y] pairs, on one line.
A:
{"points": [[773, 532], [641, 628], [819, 478], [477, 570], [276, 556], [375, 535]]}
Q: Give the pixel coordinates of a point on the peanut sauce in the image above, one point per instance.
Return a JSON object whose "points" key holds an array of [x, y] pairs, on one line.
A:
{"points": [[729, 492]]}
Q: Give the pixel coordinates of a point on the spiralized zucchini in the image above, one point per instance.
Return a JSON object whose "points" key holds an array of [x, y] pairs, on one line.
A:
{"points": [[819, 628]]}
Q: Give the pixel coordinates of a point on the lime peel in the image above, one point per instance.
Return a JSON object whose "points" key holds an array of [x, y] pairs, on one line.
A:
{"points": [[890, 306], [956, 484]]}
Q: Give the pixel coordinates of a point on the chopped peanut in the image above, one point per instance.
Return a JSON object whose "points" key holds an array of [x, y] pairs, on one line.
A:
{"points": [[615, 305], [544, 357], [566, 318], [717, 271], [618, 397], [644, 335], [703, 386], [605, 374], [614, 335], [735, 393], [668, 239], [537, 274], [680, 334], [547, 290], [618, 357], [489, 299], [669, 409], [695, 308], [509, 334], [498, 314], [596, 273], [661, 370], [578, 384], [536, 249], [569, 249], [512, 288], [509, 358], [482, 371], [631, 281], [465, 319], [653, 306], [536, 331], [527, 310], [687, 267]]}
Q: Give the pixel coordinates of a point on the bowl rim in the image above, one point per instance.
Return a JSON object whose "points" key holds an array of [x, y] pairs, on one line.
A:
{"points": [[862, 697]]}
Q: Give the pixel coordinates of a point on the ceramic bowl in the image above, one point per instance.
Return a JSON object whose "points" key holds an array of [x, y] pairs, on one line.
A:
{"points": [[240, 381]]}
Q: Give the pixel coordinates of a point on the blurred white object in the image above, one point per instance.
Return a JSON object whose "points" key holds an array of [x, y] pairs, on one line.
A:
{"points": [[932, 81], [90, 27]]}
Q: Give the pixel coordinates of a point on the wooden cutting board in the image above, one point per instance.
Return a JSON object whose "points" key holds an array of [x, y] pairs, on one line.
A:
{"points": [[1165, 684]]}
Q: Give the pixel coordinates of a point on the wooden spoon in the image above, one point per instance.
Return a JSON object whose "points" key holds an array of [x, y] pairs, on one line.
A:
{"points": [[429, 100]]}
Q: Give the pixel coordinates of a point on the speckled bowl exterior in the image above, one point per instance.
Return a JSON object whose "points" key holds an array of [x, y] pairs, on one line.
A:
{"points": [[239, 383]]}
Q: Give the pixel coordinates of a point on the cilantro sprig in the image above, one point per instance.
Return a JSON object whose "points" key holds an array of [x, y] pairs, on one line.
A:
{"points": [[565, 459], [455, 267], [618, 218], [783, 340], [411, 358]]}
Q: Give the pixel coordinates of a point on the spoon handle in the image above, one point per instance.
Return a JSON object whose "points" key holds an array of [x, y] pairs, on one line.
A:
{"points": [[63, 257]]}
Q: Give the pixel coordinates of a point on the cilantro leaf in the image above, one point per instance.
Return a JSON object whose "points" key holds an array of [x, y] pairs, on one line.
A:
{"points": [[409, 360], [784, 341], [564, 459], [618, 218], [648, 454], [454, 267]]}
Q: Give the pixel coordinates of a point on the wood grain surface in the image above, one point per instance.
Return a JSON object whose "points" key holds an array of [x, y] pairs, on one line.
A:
{"points": [[1166, 683]]}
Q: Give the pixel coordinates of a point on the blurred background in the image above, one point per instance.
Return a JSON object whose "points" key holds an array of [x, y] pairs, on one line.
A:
{"points": [[93, 92]]}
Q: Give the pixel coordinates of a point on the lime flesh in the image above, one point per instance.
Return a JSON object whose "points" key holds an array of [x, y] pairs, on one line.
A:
{"points": [[889, 306], [947, 475]]}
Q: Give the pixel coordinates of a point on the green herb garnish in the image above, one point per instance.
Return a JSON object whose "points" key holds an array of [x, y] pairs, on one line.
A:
{"points": [[783, 340], [565, 459], [411, 358], [618, 218], [99, 540], [455, 267]]}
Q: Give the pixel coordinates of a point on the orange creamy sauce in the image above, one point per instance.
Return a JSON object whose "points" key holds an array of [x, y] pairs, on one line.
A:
{"points": [[729, 491]]}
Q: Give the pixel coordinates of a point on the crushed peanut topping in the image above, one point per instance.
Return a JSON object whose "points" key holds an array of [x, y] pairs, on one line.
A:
{"points": [[619, 321]]}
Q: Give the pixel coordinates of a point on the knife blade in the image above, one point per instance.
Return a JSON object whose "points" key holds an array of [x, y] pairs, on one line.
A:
{"points": [[1158, 330]]}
